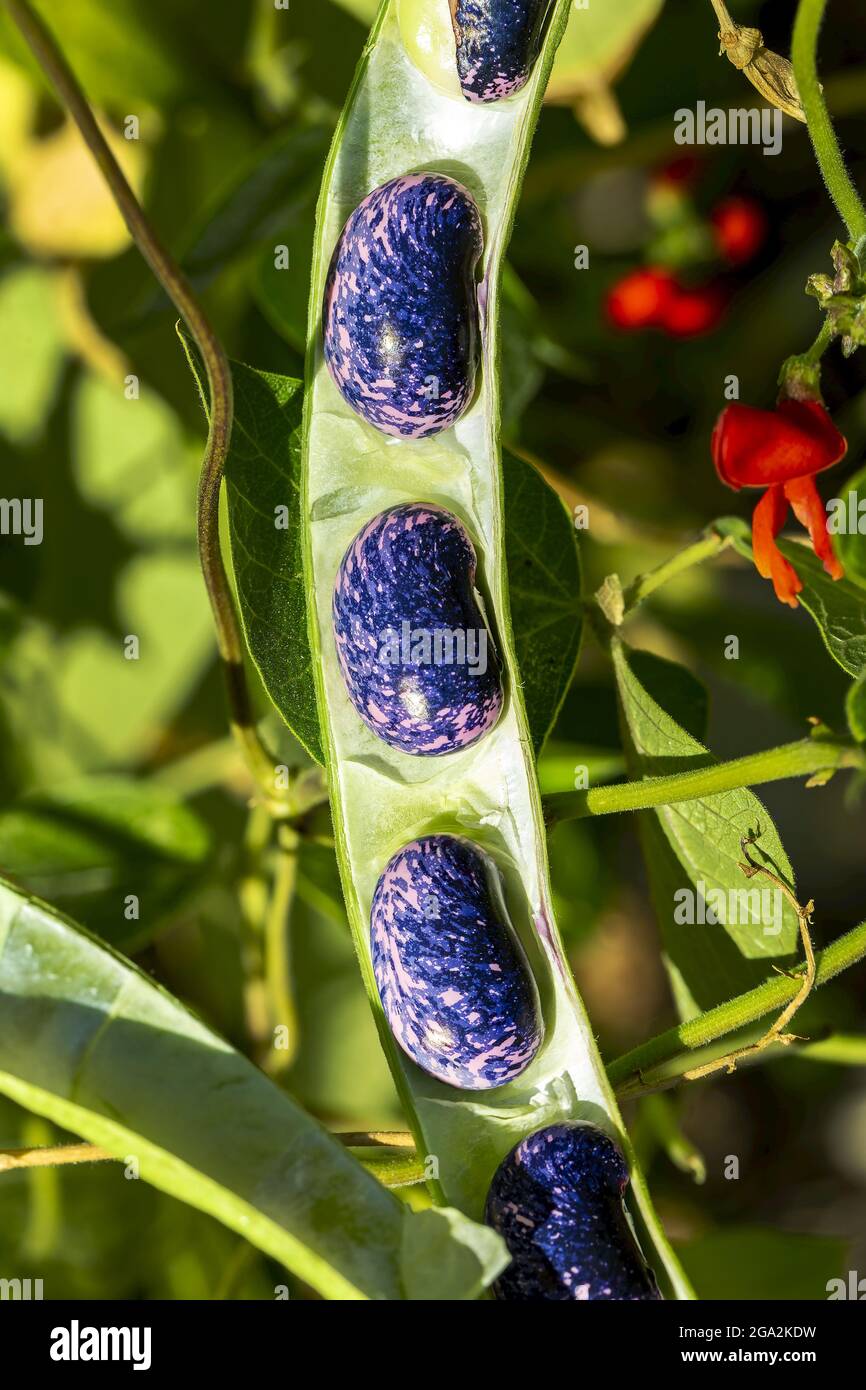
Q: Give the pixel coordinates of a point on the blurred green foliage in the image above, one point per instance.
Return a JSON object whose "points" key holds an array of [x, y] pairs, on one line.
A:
{"points": [[114, 775]]}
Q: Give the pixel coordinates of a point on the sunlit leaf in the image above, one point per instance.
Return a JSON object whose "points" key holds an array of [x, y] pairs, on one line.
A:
{"points": [[693, 847], [95, 1046]]}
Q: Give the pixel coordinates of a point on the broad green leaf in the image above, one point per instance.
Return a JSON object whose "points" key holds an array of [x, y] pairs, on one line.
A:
{"points": [[693, 847], [847, 521], [31, 351], [855, 708], [838, 606], [262, 485], [89, 844], [544, 592], [97, 1047], [746, 1262]]}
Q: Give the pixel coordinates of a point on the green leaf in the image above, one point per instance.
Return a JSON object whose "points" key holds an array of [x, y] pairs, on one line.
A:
{"points": [[695, 846], [97, 1047], [78, 704], [31, 351], [262, 484], [838, 606], [131, 459], [90, 843], [272, 196], [544, 592], [598, 42], [746, 1262], [848, 513], [855, 708]]}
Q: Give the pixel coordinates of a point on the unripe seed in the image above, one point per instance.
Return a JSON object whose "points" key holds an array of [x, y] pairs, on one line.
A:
{"points": [[453, 979], [415, 652], [557, 1201], [400, 313], [497, 44]]}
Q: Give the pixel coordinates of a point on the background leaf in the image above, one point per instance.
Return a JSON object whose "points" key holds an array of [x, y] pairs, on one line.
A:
{"points": [[90, 843], [745, 1263], [544, 591], [97, 1047], [837, 605], [850, 545], [694, 843], [263, 474]]}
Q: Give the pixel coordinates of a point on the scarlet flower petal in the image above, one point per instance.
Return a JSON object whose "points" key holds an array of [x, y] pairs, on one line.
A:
{"points": [[691, 313], [639, 299], [757, 448], [810, 512], [768, 519], [739, 227]]}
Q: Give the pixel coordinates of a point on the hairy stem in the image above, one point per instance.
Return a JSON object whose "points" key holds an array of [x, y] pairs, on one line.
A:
{"points": [[810, 14], [803, 758], [666, 1058], [179, 291]]}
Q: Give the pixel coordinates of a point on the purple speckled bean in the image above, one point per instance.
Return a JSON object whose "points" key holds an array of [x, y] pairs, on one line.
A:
{"points": [[414, 650], [556, 1200], [497, 44], [400, 315], [453, 979]]}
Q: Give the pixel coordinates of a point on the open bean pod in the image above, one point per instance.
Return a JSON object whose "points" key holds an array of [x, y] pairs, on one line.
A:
{"points": [[392, 792]]}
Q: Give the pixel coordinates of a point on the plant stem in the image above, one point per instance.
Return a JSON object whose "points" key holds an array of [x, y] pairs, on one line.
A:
{"points": [[53, 1156], [277, 937], [807, 24], [806, 756], [664, 1059], [706, 548], [179, 291]]}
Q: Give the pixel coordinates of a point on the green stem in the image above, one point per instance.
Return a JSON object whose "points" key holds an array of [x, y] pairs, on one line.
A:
{"points": [[814, 354], [803, 758], [706, 548], [810, 14], [277, 938], [664, 1059], [179, 291]]}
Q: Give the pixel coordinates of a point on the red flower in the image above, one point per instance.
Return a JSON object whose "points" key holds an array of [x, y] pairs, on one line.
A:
{"points": [[739, 228], [689, 313], [781, 450], [639, 299]]}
